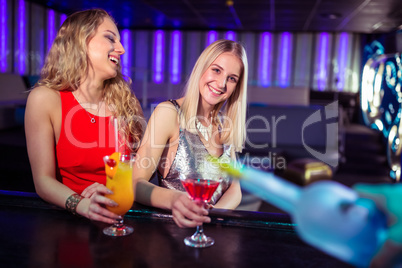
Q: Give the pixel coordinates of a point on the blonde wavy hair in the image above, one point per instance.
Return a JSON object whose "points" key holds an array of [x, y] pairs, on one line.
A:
{"points": [[67, 64], [233, 109]]}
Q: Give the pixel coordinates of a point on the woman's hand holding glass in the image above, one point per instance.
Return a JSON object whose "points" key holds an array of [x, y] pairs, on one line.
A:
{"points": [[200, 189], [186, 213], [93, 206]]}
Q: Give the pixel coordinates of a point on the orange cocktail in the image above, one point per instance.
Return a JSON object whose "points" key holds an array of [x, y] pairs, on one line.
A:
{"points": [[119, 170], [122, 187]]}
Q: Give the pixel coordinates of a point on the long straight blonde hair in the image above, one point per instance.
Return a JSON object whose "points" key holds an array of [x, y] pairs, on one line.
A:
{"points": [[233, 109], [67, 63]]}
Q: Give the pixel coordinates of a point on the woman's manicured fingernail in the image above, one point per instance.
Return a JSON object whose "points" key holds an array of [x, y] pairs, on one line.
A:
{"points": [[113, 204], [109, 191]]}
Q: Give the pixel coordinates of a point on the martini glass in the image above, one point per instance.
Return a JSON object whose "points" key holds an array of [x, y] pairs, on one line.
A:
{"points": [[121, 184], [200, 190]]}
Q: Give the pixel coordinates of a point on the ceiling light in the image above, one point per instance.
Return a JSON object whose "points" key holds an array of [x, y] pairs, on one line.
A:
{"points": [[229, 3]]}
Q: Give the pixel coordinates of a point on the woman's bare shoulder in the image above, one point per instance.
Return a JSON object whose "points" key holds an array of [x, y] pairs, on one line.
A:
{"points": [[165, 117], [44, 97], [43, 93], [166, 108]]}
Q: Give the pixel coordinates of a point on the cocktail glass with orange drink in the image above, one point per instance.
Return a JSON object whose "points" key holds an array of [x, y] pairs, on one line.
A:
{"points": [[119, 170]]}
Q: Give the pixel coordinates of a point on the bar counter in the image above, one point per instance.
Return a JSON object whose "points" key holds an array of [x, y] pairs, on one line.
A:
{"points": [[34, 233]]}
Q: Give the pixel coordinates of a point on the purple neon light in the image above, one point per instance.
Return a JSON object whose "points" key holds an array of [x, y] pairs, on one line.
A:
{"points": [[3, 36], [284, 60], [212, 36], [175, 57], [63, 17], [51, 31], [264, 70], [159, 55], [41, 51], [322, 61], [126, 57], [230, 35], [21, 36], [342, 60]]}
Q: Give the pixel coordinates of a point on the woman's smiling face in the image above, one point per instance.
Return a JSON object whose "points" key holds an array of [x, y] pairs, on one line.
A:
{"points": [[104, 50], [220, 79]]}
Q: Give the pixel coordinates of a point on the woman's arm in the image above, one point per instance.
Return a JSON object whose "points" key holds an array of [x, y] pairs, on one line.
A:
{"points": [[42, 116], [231, 198], [161, 129]]}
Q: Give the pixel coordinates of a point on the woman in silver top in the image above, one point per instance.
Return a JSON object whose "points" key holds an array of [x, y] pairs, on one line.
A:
{"points": [[208, 120]]}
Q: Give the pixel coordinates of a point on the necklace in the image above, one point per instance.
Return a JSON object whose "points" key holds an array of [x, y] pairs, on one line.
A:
{"points": [[92, 118], [206, 132]]}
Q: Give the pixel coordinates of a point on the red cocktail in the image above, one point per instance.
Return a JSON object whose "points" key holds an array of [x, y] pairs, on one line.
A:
{"points": [[200, 191]]}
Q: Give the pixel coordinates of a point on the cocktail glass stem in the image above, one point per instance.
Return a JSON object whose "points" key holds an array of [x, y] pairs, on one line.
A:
{"points": [[118, 229], [119, 223], [199, 234], [199, 239]]}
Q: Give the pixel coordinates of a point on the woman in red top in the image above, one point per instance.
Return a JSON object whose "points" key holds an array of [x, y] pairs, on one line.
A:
{"points": [[67, 119]]}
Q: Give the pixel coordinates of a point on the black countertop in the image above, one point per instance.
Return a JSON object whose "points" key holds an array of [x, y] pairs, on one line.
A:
{"points": [[36, 234]]}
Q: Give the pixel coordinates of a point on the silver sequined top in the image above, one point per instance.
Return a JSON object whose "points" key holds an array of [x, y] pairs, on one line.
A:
{"points": [[191, 158]]}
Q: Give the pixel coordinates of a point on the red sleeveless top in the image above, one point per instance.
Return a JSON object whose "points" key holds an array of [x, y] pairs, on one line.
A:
{"points": [[82, 145]]}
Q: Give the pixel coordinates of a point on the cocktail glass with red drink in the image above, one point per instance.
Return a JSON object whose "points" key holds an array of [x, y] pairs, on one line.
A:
{"points": [[200, 190]]}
